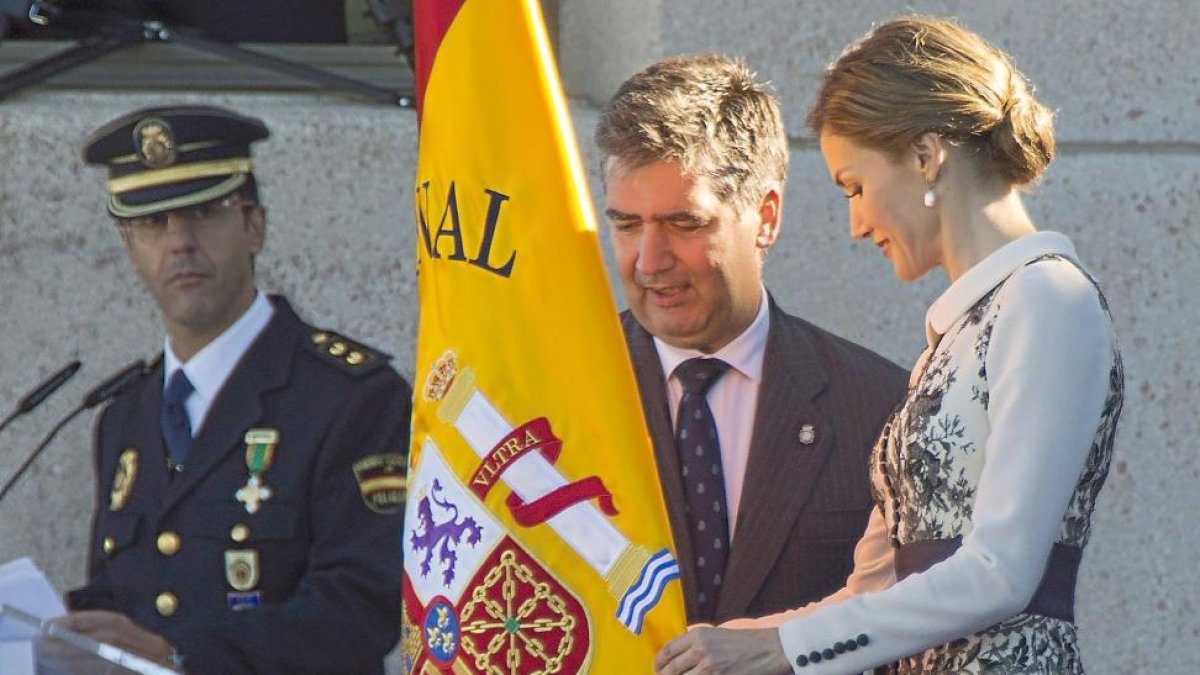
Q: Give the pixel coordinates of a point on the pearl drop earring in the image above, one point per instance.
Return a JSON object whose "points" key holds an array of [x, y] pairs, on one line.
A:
{"points": [[930, 198]]}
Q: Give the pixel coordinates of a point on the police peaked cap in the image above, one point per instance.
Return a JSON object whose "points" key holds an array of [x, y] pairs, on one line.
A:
{"points": [[160, 159]]}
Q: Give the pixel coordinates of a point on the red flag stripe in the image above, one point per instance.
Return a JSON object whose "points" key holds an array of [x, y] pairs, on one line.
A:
{"points": [[431, 20]]}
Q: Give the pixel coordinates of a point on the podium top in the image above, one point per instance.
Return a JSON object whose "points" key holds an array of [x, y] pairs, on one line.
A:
{"points": [[58, 651]]}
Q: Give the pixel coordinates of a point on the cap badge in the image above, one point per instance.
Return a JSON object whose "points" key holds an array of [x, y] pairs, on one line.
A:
{"points": [[155, 143]]}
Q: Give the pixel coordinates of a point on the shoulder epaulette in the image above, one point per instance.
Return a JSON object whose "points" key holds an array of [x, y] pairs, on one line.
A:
{"points": [[349, 356]]}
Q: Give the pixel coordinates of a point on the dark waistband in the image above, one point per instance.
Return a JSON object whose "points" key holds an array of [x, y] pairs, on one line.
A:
{"points": [[1054, 597]]}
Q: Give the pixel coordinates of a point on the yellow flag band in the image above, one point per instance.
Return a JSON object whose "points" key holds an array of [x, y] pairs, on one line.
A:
{"points": [[175, 174]]}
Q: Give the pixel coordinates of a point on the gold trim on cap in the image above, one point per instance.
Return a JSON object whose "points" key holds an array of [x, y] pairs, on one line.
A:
{"points": [[120, 209], [181, 172]]}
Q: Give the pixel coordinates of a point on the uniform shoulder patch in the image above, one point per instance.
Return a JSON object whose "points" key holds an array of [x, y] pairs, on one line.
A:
{"points": [[382, 481], [349, 356]]}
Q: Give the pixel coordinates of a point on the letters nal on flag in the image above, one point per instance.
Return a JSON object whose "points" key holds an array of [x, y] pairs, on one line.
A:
{"points": [[535, 539]]}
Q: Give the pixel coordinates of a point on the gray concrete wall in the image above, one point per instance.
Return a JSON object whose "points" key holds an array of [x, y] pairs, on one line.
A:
{"points": [[337, 176]]}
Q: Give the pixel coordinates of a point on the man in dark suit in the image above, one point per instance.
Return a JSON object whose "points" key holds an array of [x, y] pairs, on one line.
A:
{"points": [[762, 423], [250, 486]]}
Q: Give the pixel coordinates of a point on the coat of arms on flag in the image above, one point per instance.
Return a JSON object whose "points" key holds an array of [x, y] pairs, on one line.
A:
{"points": [[535, 537]]}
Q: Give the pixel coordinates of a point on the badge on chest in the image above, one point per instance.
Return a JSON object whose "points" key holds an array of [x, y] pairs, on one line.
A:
{"points": [[127, 470]]}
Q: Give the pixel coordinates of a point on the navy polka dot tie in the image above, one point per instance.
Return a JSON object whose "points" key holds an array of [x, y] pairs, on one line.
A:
{"points": [[176, 425], [703, 481]]}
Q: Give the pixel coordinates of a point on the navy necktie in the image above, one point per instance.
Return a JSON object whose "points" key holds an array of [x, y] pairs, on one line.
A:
{"points": [[176, 426], [703, 480]]}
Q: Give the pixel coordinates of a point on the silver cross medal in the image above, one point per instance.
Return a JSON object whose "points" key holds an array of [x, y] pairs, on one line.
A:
{"points": [[254, 494]]}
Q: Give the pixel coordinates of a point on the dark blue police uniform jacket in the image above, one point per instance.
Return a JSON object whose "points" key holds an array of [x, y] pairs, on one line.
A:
{"points": [[310, 581]]}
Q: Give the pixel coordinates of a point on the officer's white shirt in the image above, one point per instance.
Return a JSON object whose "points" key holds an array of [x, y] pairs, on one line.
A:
{"points": [[210, 367], [1034, 461], [733, 399]]}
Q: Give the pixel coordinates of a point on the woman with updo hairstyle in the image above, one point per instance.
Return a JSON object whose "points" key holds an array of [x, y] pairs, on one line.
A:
{"points": [[986, 475]]}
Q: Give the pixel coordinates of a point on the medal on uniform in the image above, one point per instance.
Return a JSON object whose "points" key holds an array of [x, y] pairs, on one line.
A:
{"points": [[260, 452], [241, 569], [127, 468]]}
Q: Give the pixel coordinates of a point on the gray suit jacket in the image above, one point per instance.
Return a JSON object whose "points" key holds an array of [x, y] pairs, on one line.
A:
{"points": [[804, 506]]}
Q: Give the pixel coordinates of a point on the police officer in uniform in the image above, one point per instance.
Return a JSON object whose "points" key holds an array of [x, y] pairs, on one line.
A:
{"points": [[251, 485]]}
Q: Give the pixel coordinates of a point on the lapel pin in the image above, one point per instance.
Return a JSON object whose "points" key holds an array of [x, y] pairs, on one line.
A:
{"points": [[807, 434]]}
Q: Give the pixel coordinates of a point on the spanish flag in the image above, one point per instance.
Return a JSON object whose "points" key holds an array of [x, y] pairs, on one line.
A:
{"points": [[536, 539]]}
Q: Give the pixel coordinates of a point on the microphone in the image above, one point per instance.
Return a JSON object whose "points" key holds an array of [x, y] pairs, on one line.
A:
{"points": [[34, 398], [115, 385], [108, 389]]}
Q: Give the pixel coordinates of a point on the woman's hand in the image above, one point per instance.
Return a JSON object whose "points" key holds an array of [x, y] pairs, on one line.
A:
{"points": [[720, 651]]}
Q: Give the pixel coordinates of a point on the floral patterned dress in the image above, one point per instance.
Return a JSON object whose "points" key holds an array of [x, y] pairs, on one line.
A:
{"points": [[925, 471]]}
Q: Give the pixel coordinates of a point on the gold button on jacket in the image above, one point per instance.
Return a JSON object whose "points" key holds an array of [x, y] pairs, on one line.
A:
{"points": [[168, 543], [166, 603]]}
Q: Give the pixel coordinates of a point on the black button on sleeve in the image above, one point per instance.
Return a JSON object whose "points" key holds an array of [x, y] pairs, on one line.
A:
{"points": [[802, 660], [828, 654], [863, 640], [839, 647], [815, 657]]}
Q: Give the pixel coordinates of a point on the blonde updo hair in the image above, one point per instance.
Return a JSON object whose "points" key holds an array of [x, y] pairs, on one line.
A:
{"points": [[915, 75]]}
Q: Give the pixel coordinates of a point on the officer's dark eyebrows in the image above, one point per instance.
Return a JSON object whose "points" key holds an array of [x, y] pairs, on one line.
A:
{"points": [[687, 218], [618, 215]]}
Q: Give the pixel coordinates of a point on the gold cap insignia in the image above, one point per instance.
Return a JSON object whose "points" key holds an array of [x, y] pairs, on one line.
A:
{"points": [[127, 468], [155, 143]]}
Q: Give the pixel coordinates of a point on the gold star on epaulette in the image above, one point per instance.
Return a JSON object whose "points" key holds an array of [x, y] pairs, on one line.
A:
{"points": [[342, 351]]}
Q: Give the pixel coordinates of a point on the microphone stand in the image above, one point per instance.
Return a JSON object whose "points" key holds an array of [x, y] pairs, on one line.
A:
{"points": [[38, 450], [127, 32], [110, 388]]}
